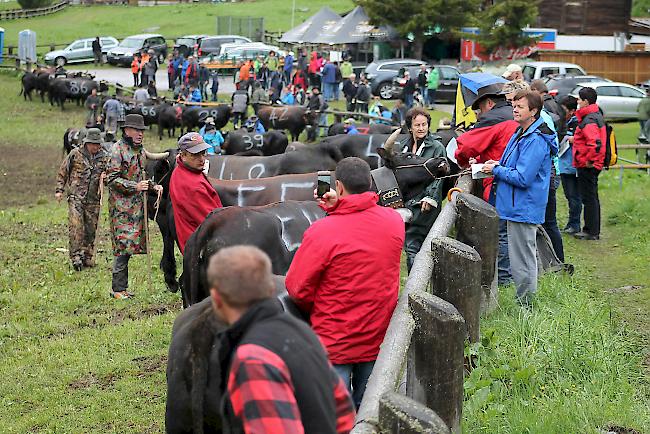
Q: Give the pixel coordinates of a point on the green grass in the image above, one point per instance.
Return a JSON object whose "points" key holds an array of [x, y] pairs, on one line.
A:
{"points": [[6, 5], [73, 360], [171, 21]]}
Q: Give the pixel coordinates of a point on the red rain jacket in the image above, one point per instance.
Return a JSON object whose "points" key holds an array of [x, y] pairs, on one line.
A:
{"points": [[590, 138], [193, 198], [346, 276]]}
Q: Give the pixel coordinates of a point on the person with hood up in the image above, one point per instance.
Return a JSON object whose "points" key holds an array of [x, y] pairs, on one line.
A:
{"points": [[522, 179]]}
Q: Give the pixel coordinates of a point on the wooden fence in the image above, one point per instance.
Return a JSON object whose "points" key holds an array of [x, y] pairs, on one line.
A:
{"points": [[628, 67], [13, 14]]}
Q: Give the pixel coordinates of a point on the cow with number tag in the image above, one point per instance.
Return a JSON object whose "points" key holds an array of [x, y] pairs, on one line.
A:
{"points": [[149, 110], [292, 118], [76, 88], [270, 143], [362, 146], [192, 115]]}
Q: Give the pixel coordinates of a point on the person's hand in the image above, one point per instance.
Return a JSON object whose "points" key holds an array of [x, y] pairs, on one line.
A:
{"points": [[328, 200], [589, 165], [472, 160], [489, 165], [142, 186], [425, 206], [58, 196], [570, 139]]}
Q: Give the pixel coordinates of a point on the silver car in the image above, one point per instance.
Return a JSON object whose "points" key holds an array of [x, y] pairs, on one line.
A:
{"points": [[616, 100], [80, 50]]}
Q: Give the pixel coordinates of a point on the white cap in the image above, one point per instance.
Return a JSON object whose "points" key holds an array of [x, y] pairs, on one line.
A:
{"points": [[512, 68]]}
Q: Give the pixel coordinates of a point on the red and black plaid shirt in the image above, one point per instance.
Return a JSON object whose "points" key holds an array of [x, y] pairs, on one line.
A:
{"points": [[262, 394]]}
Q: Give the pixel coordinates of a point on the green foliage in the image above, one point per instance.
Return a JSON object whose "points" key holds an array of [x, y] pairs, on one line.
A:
{"points": [[641, 8], [420, 16], [500, 24], [33, 4]]}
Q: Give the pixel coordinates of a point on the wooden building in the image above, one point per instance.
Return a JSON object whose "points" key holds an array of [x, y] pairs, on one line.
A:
{"points": [[585, 17]]}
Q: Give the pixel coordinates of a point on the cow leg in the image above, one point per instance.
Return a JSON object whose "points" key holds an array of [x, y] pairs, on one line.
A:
{"points": [[168, 261]]}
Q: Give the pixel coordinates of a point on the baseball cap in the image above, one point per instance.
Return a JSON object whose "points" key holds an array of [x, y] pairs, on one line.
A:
{"points": [[192, 143], [513, 67]]}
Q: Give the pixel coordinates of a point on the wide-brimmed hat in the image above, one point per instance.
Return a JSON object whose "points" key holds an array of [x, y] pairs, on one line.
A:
{"points": [[486, 91], [134, 121], [93, 135], [192, 143]]}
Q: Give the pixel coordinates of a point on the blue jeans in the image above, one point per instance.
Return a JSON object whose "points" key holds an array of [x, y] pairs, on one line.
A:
{"points": [[503, 259], [425, 95], [408, 100], [355, 377], [570, 187], [431, 93]]}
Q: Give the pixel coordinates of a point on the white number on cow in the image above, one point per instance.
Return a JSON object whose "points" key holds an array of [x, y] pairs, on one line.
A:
{"points": [[74, 88], [83, 88]]}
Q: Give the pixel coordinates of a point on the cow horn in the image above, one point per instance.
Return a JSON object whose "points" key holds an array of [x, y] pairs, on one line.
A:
{"points": [[156, 155]]}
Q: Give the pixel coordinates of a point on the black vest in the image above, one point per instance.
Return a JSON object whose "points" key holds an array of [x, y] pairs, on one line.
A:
{"points": [[267, 325]]}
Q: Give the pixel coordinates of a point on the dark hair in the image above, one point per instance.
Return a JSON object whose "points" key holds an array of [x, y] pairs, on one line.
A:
{"points": [[533, 99], [588, 94], [569, 102], [415, 112], [354, 174], [539, 86]]}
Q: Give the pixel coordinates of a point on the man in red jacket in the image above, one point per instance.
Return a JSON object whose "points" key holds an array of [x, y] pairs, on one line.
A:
{"points": [[589, 145], [193, 197], [345, 274]]}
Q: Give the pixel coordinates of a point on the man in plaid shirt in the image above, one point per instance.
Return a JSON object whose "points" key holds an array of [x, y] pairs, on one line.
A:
{"points": [[276, 377]]}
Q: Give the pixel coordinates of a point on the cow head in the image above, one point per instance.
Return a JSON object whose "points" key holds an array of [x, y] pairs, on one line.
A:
{"points": [[413, 173]]}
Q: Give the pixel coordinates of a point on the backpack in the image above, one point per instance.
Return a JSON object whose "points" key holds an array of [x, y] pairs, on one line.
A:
{"points": [[611, 152]]}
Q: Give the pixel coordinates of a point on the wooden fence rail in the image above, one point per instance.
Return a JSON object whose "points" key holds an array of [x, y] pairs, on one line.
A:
{"points": [[13, 14]]}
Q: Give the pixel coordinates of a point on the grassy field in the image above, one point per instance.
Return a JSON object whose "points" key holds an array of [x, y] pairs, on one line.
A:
{"points": [[73, 360], [171, 21]]}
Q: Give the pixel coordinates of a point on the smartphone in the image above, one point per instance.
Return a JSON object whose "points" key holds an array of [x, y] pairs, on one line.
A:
{"points": [[324, 182]]}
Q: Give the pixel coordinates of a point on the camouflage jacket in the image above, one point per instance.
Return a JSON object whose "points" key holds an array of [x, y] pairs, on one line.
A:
{"points": [[126, 204], [80, 173]]}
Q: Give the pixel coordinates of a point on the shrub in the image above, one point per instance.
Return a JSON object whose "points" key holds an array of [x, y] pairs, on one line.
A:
{"points": [[33, 4]]}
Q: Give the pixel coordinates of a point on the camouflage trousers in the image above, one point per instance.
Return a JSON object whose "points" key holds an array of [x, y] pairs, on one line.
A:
{"points": [[82, 224]]}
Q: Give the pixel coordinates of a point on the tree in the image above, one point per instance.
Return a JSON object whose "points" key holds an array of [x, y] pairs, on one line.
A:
{"points": [[421, 17], [33, 4], [500, 24]]}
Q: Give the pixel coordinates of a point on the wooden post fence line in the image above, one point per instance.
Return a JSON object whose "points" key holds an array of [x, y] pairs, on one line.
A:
{"points": [[13, 14]]}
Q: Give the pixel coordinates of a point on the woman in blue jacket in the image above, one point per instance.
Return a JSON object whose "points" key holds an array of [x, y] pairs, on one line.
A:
{"points": [[522, 178]]}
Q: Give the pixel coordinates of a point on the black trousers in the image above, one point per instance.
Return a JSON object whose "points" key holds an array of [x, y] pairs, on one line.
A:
{"points": [[550, 224], [121, 273], [588, 188]]}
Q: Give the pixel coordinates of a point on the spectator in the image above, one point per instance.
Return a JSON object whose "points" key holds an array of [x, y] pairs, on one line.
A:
{"points": [[522, 176], [254, 125], [263, 77], [568, 173], [552, 107], [111, 111], [345, 274], [92, 106], [375, 109], [276, 376], [204, 78], [426, 205], [185, 63], [192, 195], [192, 72], [141, 94], [362, 97], [350, 92], [214, 76], [303, 63], [346, 68], [486, 141], [178, 68], [315, 65], [144, 59], [408, 90], [171, 72], [432, 85], [317, 104], [589, 142], [287, 68], [150, 68], [151, 89], [135, 70], [329, 81], [272, 62], [239, 106], [513, 72], [422, 85], [195, 94], [337, 82], [214, 138], [399, 112], [97, 51], [259, 97], [349, 127], [244, 75], [287, 97], [644, 116]]}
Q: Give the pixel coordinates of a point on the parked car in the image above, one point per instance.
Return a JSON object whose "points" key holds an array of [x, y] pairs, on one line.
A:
{"points": [[249, 51], [560, 85], [123, 53], [618, 101], [80, 50], [212, 44], [447, 85], [645, 85], [188, 45], [535, 70], [380, 74]]}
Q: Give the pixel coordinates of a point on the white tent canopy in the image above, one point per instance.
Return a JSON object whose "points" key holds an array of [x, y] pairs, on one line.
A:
{"points": [[312, 27]]}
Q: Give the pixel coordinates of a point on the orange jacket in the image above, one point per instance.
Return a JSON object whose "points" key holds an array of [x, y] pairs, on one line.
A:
{"points": [[145, 59], [135, 65], [244, 72]]}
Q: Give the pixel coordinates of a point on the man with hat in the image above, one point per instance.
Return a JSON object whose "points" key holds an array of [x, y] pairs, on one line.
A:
{"points": [[192, 195], [253, 125], [486, 140], [349, 127], [513, 72], [82, 172], [127, 185]]}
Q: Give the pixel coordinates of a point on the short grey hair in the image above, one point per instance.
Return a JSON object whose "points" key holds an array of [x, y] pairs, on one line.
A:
{"points": [[241, 275]]}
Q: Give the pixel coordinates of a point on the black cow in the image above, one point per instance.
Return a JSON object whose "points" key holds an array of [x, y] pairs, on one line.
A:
{"points": [[275, 228], [77, 89], [28, 81], [149, 110], [292, 118], [193, 116], [362, 146], [339, 128], [270, 143], [169, 118]]}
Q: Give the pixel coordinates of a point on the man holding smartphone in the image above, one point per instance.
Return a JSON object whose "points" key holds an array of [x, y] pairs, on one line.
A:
{"points": [[345, 275]]}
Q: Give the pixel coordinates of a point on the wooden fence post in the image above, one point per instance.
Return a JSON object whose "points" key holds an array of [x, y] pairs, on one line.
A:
{"points": [[478, 227], [434, 373], [400, 414], [456, 278]]}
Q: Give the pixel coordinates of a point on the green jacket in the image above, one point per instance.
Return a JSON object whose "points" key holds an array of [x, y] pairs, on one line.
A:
{"points": [[272, 63], [346, 69], [644, 109], [433, 79], [431, 147]]}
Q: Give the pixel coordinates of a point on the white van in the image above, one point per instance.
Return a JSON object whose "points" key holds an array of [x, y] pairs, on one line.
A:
{"points": [[536, 70]]}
